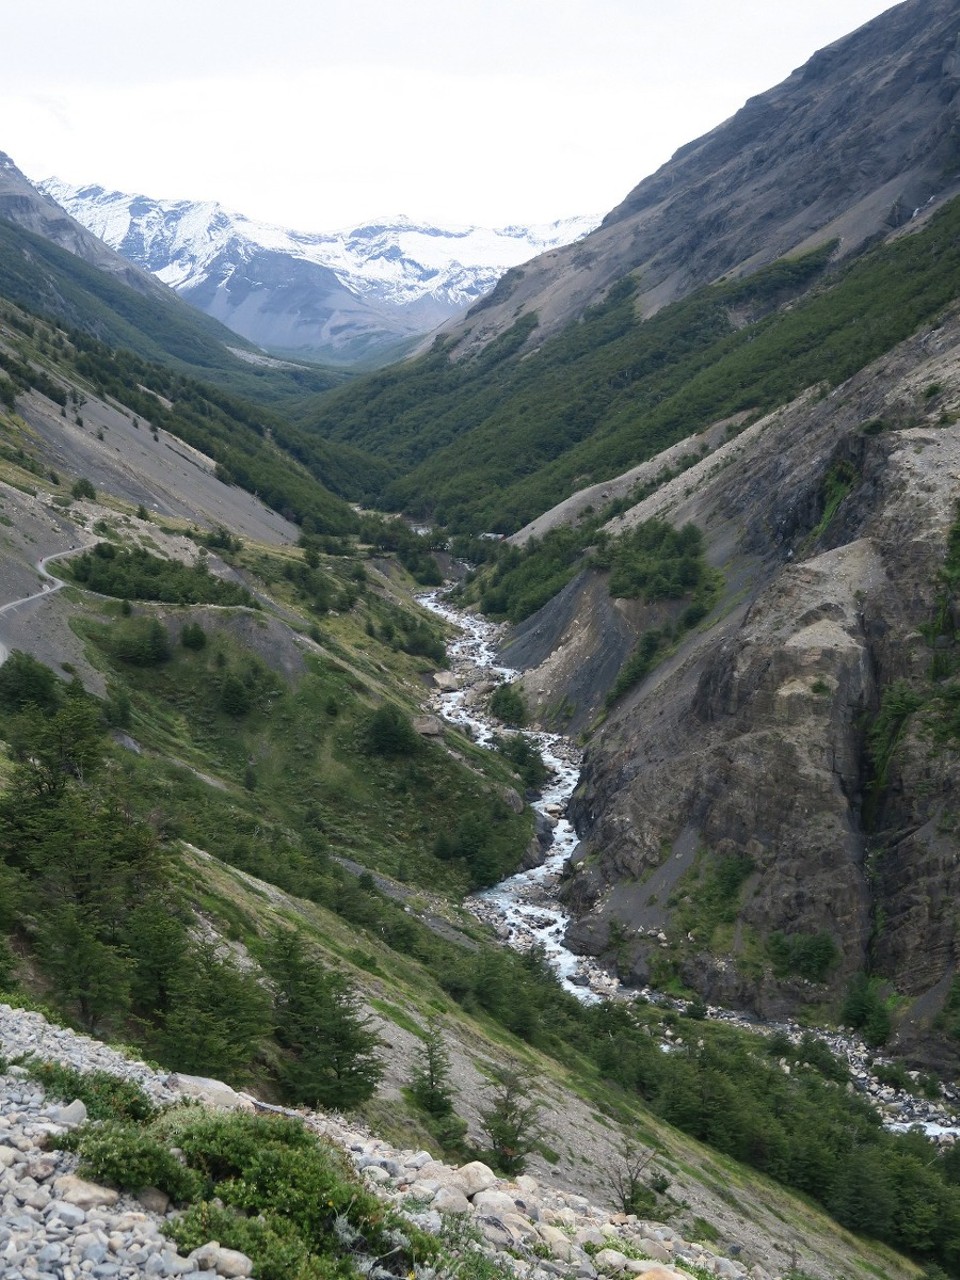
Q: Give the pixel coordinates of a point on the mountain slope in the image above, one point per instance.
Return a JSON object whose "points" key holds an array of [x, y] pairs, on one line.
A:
{"points": [[338, 296], [802, 732], [48, 262], [487, 443], [847, 148], [236, 762]]}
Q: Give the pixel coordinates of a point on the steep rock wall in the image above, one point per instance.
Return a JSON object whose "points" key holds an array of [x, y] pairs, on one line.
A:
{"points": [[749, 745]]}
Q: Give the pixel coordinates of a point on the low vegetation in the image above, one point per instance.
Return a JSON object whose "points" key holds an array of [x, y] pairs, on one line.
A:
{"points": [[262, 1185], [483, 452], [138, 575]]}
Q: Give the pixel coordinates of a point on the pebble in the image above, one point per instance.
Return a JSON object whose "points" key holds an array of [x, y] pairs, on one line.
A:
{"points": [[57, 1225], [524, 911]]}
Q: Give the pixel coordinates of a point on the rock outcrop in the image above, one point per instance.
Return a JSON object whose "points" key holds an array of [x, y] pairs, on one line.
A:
{"points": [[855, 143], [746, 752]]}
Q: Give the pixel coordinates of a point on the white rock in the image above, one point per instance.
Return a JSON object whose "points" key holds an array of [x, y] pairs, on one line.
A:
{"points": [[474, 1177], [610, 1260], [71, 1115], [85, 1195], [214, 1093], [494, 1203], [450, 1200], [560, 1245]]}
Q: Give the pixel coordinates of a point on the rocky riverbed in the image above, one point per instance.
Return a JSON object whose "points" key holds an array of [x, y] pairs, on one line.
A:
{"points": [[524, 911]]}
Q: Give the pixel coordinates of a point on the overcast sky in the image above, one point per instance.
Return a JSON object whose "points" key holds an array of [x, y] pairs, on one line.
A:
{"points": [[316, 114]]}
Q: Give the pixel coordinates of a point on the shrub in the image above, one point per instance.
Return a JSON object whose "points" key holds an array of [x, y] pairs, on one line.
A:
{"points": [[804, 955], [193, 636], [506, 703], [130, 1157], [141, 642], [106, 1097], [25, 681], [389, 732]]}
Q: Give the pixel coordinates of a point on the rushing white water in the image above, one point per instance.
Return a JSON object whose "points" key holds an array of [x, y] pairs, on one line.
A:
{"points": [[523, 910]]}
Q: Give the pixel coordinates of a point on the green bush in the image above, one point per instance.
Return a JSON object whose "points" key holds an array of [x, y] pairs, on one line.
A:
{"points": [[140, 641], [138, 575], [506, 703], [106, 1097], [193, 636], [288, 1200], [26, 682], [389, 732], [524, 757], [804, 955], [131, 1157], [866, 1009]]}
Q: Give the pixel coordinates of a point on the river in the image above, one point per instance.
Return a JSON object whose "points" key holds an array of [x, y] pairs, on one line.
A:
{"points": [[524, 910]]}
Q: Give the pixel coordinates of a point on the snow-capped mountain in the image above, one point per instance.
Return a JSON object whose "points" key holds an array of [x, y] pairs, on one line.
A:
{"points": [[343, 295]]}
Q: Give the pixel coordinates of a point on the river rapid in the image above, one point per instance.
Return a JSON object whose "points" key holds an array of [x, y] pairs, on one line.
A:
{"points": [[524, 910]]}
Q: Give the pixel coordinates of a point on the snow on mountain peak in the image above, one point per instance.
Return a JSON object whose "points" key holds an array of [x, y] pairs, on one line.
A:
{"points": [[397, 261]]}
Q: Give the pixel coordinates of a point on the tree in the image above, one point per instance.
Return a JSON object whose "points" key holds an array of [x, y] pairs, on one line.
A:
{"points": [[511, 1119], [58, 747], [506, 703], [217, 1017], [626, 1180], [26, 682], [331, 1050], [389, 732], [234, 696], [431, 1078], [193, 636], [87, 971]]}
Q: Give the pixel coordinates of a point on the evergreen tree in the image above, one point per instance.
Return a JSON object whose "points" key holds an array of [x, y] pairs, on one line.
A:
{"points": [[217, 1017], [332, 1059], [431, 1080], [511, 1121]]}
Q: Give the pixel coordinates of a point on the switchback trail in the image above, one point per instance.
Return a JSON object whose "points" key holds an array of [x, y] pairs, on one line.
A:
{"points": [[51, 585]]}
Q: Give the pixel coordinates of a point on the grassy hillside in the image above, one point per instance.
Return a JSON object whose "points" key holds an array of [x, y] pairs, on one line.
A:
{"points": [[252, 446], [44, 278], [275, 740], [489, 443]]}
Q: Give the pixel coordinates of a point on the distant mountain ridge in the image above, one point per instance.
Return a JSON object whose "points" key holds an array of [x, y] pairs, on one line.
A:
{"points": [[341, 295], [853, 145]]}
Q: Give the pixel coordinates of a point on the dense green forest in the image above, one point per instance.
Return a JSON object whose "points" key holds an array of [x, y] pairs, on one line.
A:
{"points": [[490, 442], [47, 280]]}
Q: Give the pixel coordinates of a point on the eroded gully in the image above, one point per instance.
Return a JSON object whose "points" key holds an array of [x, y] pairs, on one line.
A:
{"points": [[524, 910]]}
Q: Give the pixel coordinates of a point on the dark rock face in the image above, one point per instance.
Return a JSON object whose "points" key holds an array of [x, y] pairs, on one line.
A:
{"points": [[855, 143], [23, 205], [750, 746]]}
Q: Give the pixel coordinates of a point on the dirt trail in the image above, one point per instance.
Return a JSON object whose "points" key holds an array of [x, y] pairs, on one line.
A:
{"points": [[52, 584]]}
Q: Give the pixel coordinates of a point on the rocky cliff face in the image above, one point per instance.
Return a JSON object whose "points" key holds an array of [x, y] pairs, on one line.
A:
{"points": [[348, 295], [22, 204], [855, 143], [748, 753]]}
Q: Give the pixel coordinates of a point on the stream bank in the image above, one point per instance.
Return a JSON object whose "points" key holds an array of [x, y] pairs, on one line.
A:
{"points": [[524, 911]]}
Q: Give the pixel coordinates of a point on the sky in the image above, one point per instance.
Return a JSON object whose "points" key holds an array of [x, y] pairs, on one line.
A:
{"points": [[321, 114]]}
